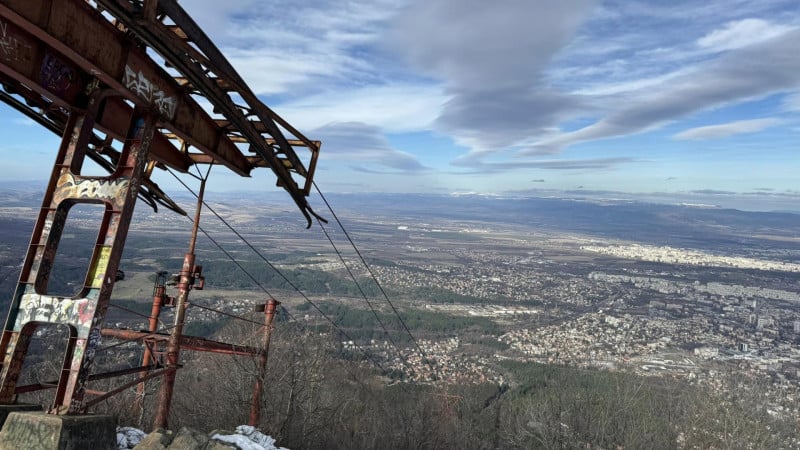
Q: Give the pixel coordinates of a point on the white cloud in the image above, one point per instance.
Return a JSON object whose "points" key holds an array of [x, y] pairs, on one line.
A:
{"points": [[478, 45], [394, 108], [363, 144], [740, 75], [629, 86], [502, 77], [548, 164], [271, 73], [490, 58], [741, 33], [791, 102], [282, 47], [727, 129]]}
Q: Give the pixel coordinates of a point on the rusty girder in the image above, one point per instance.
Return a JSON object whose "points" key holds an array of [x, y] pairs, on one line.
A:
{"points": [[60, 48], [122, 82], [100, 151], [191, 343], [206, 71]]}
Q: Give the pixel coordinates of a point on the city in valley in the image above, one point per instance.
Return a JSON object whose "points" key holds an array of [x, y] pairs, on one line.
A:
{"points": [[707, 295]]}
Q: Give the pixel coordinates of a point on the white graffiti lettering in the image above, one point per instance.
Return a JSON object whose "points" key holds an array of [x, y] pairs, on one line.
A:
{"points": [[113, 190], [6, 42], [102, 189], [147, 90], [12, 49]]}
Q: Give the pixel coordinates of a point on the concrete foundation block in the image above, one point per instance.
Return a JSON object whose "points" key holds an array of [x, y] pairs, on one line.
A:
{"points": [[5, 410], [51, 432]]}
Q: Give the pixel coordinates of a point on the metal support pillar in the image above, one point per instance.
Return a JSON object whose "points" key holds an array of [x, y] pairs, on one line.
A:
{"points": [[159, 300], [187, 279], [83, 313], [258, 386]]}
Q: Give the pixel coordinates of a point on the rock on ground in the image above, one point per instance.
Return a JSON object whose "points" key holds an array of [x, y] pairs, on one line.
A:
{"points": [[244, 438]]}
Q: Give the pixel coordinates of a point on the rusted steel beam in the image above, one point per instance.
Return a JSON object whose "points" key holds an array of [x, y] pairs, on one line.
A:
{"points": [[84, 312], [120, 372], [81, 41], [172, 49], [185, 285], [132, 335], [222, 68], [181, 53], [192, 343], [184, 82], [88, 404], [206, 345], [55, 119], [112, 121], [116, 112], [159, 299], [88, 66], [35, 387], [201, 158], [53, 77], [255, 401], [92, 377]]}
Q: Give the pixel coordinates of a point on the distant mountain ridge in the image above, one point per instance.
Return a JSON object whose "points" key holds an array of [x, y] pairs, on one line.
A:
{"points": [[647, 222]]}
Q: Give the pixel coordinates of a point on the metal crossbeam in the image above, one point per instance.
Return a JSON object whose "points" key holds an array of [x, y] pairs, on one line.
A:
{"points": [[122, 82], [187, 49]]}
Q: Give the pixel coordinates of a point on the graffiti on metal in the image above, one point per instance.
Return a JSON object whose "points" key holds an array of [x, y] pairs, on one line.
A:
{"points": [[11, 48], [138, 83], [47, 308], [92, 188], [98, 271], [85, 360], [55, 75]]}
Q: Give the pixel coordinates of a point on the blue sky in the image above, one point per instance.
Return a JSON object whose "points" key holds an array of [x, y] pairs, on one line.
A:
{"points": [[450, 96]]}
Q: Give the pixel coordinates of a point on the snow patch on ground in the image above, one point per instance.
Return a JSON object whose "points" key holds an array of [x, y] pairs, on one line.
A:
{"points": [[129, 437], [245, 437], [248, 438]]}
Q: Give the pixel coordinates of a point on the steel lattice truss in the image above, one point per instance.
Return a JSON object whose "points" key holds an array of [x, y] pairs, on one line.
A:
{"points": [[122, 82], [152, 54]]}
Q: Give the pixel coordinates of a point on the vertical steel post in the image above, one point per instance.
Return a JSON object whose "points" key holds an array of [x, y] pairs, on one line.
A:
{"points": [[258, 386], [84, 312], [159, 295], [174, 343]]}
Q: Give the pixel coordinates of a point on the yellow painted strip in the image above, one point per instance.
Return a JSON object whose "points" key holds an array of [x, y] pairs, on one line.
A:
{"points": [[99, 266]]}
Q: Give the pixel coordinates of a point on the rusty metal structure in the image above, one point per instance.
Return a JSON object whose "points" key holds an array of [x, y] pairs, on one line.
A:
{"points": [[122, 82], [255, 403]]}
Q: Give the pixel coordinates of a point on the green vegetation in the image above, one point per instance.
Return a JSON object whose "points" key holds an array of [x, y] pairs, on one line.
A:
{"points": [[316, 399], [555, 406], [361, 323], [319, 397], [205, 328], [221, 274]]}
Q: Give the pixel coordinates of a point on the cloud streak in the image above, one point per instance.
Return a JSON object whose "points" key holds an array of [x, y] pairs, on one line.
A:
{"points": [[741, 33], [280, 46], [744, 74], [365, 144], [548, 164], [509, 87], [393, 108], [727, 129]]}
